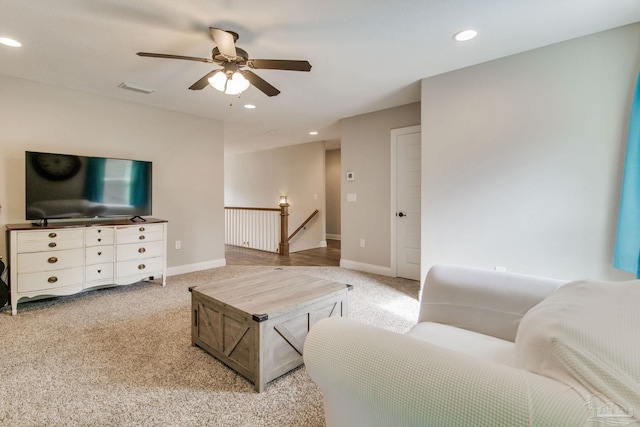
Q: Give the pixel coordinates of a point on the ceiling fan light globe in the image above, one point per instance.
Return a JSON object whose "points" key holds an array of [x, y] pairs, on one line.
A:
{"points": [[218, 81], [236, 84]]}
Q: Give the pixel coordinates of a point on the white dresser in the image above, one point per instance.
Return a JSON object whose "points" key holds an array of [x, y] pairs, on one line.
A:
{"points": [[67, 258]]}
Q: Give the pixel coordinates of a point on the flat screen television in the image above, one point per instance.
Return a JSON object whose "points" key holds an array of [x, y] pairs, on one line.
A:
{"points": [[61, 186]]}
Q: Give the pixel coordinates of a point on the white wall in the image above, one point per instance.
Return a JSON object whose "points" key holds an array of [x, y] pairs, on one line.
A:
{"points": [[187, 154], [332, 185], [523, 156], [258, 179], [366, 151]]}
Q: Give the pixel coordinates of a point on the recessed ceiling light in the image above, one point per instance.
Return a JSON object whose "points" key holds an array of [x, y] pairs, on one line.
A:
{"points": [[313, 132], [465, 35], [9, 42], [249, 106]]}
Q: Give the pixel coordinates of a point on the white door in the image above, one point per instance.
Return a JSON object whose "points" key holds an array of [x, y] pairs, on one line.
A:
{"points": [[407, 145]]}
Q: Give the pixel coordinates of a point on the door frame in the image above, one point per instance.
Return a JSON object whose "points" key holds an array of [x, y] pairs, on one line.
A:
{"points": [[393, 191]]}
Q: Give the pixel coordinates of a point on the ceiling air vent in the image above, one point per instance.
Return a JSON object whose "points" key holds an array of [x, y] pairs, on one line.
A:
{"points": [[124, 85]]}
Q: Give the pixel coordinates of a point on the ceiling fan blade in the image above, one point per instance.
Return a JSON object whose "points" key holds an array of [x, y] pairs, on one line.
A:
{"points": [[260, 83], [279, 64], [164, 55], [225, 42], [203, 82]]}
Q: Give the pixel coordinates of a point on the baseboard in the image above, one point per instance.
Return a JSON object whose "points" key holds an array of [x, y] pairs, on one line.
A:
{"points": [[367, 268], [323, 244], [334, 237], [199, 266]]}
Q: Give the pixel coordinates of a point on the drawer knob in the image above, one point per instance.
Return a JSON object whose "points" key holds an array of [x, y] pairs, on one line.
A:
{"points": [[141, 229], [99, 271], [99, 240], [142, 250], [99, 231], [53, 244], [52, 279], [52, 235], [141, 267], [52, 260], [99, 253], [141, 237]]}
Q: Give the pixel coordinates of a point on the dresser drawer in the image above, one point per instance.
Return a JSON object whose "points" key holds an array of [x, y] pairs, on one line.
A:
{"points": [[99, 236], [41, 281], [139, 268], [140, 251], [98, 254], [47, 261], [49, 240], [139, 233], [99, 272]]}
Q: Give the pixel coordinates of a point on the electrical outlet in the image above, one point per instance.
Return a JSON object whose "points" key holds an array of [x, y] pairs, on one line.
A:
{"points": [[362, 243], [178, 244]]}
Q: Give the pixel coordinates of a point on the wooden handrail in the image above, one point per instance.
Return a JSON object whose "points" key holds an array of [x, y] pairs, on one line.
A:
{"points": [[304, 223], [253, 209]]}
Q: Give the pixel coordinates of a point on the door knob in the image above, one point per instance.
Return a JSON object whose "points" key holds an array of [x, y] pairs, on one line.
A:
{"points": [[401, 214]]}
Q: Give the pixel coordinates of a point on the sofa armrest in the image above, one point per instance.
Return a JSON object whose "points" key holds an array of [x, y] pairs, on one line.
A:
{"points": [[486, 301], [374, 377]]}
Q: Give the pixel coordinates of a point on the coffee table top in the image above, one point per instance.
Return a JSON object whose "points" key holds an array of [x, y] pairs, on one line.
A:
{"points": [[270, 294]]}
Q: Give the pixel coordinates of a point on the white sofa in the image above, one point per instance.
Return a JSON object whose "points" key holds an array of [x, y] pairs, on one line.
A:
{"points": [[490, 349]]}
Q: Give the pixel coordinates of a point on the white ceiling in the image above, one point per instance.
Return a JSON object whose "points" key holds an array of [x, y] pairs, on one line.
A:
{"points": [[366, 55]]}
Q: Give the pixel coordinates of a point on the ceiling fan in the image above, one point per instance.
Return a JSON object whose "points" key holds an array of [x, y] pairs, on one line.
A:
{"points": [[231, 78]]}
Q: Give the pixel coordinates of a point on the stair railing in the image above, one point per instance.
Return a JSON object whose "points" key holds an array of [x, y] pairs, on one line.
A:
{"points": [[256, 228]]}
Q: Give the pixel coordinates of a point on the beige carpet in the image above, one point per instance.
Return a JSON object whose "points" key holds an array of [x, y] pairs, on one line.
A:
{"points": [[123, 356]]}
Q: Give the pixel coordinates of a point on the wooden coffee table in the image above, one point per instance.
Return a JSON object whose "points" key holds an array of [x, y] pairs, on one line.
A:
{"points": [[257, 324]]}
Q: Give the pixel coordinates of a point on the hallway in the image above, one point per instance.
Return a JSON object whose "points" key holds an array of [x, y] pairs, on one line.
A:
{"points": [[320, 257]]}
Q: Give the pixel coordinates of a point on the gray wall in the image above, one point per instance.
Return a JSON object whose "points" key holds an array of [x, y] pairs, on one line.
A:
{"points": [[366, 151], [332, 184], [523, 156], [187, 154], [258, 179]]}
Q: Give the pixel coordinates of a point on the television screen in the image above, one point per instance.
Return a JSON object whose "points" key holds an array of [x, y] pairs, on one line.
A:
{"points": [[70, 186]]}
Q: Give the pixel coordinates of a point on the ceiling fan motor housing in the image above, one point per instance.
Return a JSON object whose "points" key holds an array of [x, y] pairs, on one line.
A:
{"points": [[241, 56]]}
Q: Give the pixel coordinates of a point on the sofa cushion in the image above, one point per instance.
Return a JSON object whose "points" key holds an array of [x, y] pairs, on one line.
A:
{"points": [[486, 301], [586, 334], [464, 341]]}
